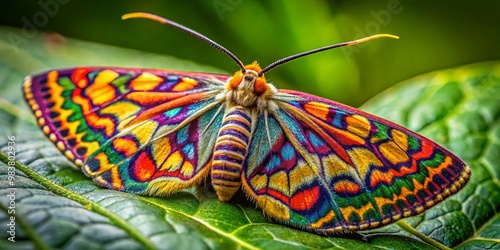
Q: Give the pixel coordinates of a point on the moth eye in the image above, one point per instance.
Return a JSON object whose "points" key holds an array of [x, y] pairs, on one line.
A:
{"points": [[235, 80], [260, 86]]}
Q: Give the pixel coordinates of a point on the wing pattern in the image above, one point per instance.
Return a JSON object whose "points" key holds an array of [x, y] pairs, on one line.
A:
{"points": [[79, 109], [130, 129], [333, 168]]}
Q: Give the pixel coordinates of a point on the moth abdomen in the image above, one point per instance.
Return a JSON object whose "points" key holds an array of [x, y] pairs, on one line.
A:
{"points": [[230, 151]]}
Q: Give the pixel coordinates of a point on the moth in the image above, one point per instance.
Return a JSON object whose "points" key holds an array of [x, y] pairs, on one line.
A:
{"points": [[304, 160]]}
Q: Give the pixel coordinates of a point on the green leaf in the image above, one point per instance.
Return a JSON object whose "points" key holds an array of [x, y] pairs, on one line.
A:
{"points": [[56, 206]]}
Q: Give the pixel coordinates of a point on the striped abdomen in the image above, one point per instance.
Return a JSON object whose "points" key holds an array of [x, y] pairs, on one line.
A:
{"points": [[230, 151]]}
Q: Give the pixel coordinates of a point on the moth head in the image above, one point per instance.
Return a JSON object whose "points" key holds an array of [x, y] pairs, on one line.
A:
{"points": [[250, 79]]}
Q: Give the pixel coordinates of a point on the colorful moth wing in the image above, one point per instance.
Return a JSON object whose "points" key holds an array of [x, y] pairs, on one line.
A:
{"points": [[159, 156], [80, 109], [331, 168]]}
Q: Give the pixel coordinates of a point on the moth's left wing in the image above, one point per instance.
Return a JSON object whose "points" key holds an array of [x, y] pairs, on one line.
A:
{"points": [[328, 167], [79, 109], [142, 131]]}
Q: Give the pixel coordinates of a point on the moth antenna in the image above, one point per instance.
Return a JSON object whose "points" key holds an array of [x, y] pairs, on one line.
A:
{"points": [[187, 30], [293, 57]]}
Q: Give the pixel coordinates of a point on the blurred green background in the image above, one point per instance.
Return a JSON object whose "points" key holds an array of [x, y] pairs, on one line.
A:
{"points": [[434, 35]]}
